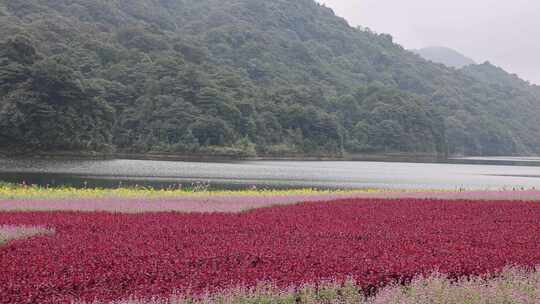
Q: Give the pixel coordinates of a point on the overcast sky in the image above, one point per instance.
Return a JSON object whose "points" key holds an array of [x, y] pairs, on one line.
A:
{"points": [[504, 32]]}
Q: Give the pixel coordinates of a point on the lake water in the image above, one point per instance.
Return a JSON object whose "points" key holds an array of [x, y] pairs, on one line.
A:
{"points": [[277, 174]]}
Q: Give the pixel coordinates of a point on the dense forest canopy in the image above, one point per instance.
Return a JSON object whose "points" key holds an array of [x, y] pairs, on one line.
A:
{"points": [[241, 77]]}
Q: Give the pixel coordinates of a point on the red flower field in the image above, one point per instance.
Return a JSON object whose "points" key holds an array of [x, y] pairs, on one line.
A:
{"points": [[109, 256]]}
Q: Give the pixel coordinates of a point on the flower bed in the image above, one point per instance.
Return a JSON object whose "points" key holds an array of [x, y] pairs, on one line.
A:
{"points": [[108, 256]]}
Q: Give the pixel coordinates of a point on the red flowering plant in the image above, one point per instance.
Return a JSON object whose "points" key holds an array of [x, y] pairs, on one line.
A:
{"points": [[110, 256]]}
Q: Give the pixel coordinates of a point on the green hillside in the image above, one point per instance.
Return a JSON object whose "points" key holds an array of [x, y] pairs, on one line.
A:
{"points": [[241, 77]]}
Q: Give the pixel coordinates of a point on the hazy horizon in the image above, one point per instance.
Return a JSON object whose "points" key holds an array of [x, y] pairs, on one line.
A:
{"points": [[484, 30]]}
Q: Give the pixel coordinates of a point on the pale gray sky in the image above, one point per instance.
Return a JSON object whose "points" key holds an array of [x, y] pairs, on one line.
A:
{"points": [[505, 32]]}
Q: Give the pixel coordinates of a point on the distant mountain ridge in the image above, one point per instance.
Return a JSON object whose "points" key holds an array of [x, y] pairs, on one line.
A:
{"points": [[243, 78], [444, 55]]}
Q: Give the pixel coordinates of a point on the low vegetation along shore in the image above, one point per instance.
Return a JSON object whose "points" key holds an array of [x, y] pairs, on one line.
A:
{"points": [[268, 246], [24, 191]]}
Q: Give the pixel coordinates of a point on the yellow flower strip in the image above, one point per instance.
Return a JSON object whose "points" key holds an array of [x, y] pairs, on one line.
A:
{"points": [[13, 191]]}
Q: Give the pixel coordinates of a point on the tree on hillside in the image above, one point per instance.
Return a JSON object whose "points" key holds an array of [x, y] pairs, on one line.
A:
{"points": [[45, 104]]}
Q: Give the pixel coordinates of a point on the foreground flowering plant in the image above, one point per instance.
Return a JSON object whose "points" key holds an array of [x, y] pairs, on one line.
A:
{"points": [[109, 256], [512, 285]]}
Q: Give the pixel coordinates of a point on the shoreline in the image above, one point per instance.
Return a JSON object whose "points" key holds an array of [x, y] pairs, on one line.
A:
{"points": [[209, 158], [92, 155]]}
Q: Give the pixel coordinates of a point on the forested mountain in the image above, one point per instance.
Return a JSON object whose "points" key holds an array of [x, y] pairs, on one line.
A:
{"points": [[444, 55], [240, 77]]}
